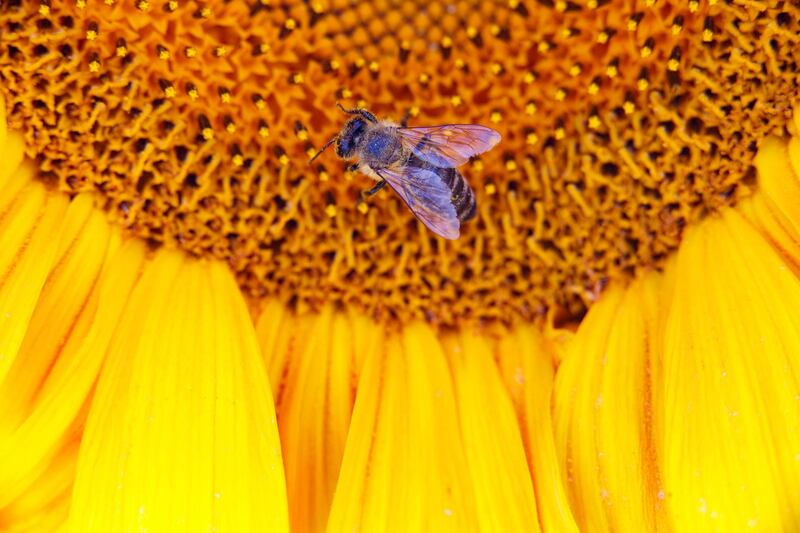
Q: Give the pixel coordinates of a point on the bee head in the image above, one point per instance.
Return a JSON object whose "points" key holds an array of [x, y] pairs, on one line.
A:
{"points": [[350, 137]]}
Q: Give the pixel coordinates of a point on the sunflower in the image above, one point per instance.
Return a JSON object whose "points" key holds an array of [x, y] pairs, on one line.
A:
{"points": [[199, 331]]}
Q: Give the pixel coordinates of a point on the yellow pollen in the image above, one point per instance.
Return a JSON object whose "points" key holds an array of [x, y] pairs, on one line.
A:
{"points": [[208, 134], [561, 6], [496, 68], [283, 160], [490, 189], [611, 71], [44, 10], [330, 210], [172, 5], [560, 95], [80, 4], [163, 53], [708, 36], [575, 70], [290, 24], [673, 65], [455, 100], [143, 5], [530, 108], [193, 94], [646, 51], [91, 35], [511, 165], [94, 66], [363, 208], [373, 66], [238, 160], [694, 5], [560, 133], [494, 29], [230, 127], [495, 117], [531, 139], [414, 111], [122, 51], [594, 122], [591, 4], [629, 107], [263, 131], [594, 88], [446, 42], [221, 51], [324, 176], [225, 97], [346, 93], [529, 77], [543, 46], [603, 37], [190, 51], [472, 31]]}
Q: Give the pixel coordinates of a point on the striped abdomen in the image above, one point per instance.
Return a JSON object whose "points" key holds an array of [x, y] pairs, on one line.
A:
{"points": [[463, 198]]}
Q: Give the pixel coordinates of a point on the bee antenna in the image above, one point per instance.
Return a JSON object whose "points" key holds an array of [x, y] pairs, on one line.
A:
{"points": [[326, 145]]}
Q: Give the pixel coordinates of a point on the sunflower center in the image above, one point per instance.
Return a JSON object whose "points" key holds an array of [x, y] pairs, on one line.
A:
{"points": [[622, 123]]}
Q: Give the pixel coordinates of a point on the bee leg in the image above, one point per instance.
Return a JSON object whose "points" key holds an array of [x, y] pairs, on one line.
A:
{"points": [[373, 191], [404, 120]]}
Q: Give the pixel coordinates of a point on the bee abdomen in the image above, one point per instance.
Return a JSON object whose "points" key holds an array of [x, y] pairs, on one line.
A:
{"points": [[463, 197]]}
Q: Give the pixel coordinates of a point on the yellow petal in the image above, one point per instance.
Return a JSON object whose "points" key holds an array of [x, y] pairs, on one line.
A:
{"points": [[730, 435], [526, 361], [64, 345], [44, 506], [603, 413], [28, 225], [775, 210], [404, 465], [181, 435], [317, 380], [498, 468]]}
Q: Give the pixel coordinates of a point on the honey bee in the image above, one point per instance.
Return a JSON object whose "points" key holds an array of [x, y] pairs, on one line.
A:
{"points": [[418, 163]]}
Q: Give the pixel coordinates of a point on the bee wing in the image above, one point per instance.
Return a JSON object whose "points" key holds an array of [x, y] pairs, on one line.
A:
{"points": [[450, 145], [426, 195]]}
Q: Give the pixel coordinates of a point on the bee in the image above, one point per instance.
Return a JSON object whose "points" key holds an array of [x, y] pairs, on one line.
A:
{"points": [[419, 164]]}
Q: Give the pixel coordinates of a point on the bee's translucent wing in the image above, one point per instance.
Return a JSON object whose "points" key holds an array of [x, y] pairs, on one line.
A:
{"points": [[428, 197], [450, 145]]}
